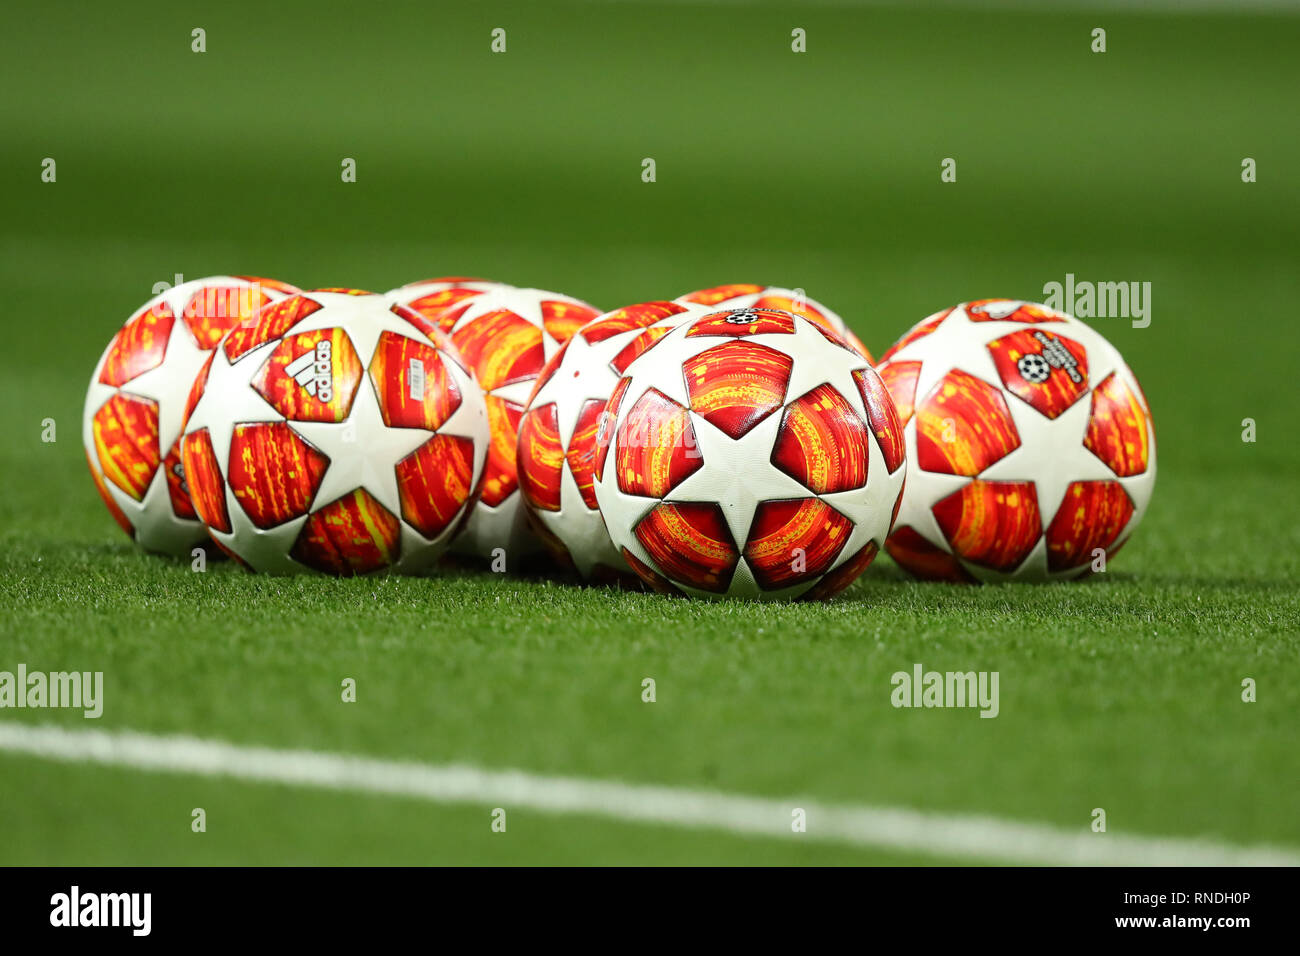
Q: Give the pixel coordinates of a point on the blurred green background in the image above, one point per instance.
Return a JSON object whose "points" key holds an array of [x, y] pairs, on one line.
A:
{"points": [[819, 170]]}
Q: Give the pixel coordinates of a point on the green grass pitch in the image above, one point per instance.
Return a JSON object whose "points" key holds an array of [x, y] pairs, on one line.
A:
{"points": [[819, 170]]}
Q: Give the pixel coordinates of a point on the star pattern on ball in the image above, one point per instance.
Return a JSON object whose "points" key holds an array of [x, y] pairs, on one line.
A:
{"points": [[731, 479], [361, 451], [1043, 456], [1050, 453], [372, 470], [166, 385], [738, 474], [501, 351], [170, 378], [240, 402], [961, 336], [527, 304], [924, 487], [583, 375]]}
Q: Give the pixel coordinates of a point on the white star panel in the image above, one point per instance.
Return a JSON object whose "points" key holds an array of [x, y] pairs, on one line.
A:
{"points": [[362, 450]]}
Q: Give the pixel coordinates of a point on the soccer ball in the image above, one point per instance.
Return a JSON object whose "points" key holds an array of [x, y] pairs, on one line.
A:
{"points": [[506, 336], [557, 434], [1030, 447], [332, 433], [131, 426], [441, 301], [749, 453], [749, 296]]}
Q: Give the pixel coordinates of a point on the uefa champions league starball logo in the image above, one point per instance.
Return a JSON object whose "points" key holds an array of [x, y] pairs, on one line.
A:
{"points": [[1034, 369]]}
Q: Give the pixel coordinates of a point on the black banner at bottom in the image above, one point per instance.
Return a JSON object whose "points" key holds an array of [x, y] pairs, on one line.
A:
{"points": [[338, 905]]}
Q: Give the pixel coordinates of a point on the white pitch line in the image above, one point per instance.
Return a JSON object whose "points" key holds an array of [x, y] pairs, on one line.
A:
{"points": [[896, 829]]}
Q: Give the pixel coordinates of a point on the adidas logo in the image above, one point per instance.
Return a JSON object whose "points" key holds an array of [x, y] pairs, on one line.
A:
{"points": [[314, 371]]}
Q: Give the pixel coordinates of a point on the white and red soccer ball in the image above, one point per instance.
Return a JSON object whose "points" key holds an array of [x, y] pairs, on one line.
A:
{"points": [[335, 432], [749, 453], [506, 336], [1030, 447], [556, 455], [135, 404], [745, 295]]}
